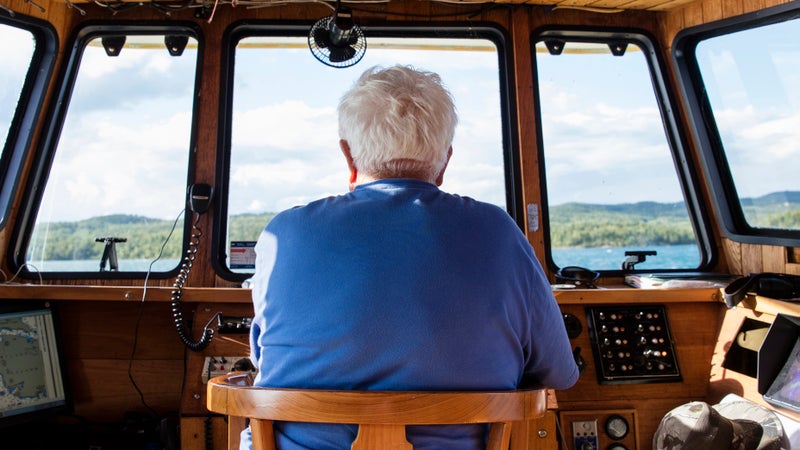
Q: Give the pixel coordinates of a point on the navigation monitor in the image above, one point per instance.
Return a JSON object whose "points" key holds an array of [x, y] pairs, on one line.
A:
{"points": [[32, 378], [785, 390]]}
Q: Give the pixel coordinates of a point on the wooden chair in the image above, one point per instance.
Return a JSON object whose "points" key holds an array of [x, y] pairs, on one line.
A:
{"points": [[381, 415]]}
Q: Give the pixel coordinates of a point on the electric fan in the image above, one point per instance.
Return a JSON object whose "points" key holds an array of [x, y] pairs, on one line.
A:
{"points": [[336, 41]]}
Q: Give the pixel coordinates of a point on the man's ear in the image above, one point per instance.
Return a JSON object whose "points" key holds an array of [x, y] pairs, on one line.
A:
{"points": [[350, 164], [440, 177]]}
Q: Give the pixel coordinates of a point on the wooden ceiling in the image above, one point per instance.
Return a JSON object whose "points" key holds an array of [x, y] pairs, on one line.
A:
{"points": [[601, 6], [609, 6]]}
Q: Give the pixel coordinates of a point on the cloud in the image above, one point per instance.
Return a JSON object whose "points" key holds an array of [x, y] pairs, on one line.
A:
{"points": [[285, 143], [760, 147], [105, 166], [289, 124], [130, 116], [603, 135], [17, 57], [278, 185]]}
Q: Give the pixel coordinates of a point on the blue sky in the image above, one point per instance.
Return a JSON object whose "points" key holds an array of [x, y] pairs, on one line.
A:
{"points": [[285, 147], [285, 143]]}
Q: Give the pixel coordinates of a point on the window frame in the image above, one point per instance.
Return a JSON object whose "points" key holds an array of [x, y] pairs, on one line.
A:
{"points": [[56, 113], [674, 134], [23, 123], [239, 30], [704, 129]]}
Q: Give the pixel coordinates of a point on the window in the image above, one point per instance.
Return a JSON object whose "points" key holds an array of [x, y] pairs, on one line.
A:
{"points": [[746, 71], [611, 180], [284, 147], [27, 56], [119, 167], [16, 61]]}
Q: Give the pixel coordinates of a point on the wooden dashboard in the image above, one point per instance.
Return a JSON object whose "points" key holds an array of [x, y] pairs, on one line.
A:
{"points": [[110, 332]]}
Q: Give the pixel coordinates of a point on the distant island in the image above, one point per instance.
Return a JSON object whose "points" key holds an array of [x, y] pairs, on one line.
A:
{"points": [[572, 225]]}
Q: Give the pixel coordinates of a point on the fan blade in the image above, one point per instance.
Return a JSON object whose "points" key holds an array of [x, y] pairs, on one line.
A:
{"points": [[341, 54], [322, 37]]}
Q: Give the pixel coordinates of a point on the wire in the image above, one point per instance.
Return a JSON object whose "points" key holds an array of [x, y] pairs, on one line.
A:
{"points": [[477, 6], [116, 7], [560, 433], [167, 8], [180, 280], [588, 8], [16, 274], [139, 315], [8, 10], [71, 5]]}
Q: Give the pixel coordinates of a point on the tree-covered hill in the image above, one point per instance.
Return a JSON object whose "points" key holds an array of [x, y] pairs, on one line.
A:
{"points": [[571, 225], [652, 223], [622, 225], [144, 237]]}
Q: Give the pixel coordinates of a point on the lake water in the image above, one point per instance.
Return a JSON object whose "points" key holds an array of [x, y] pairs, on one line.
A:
{"points": [[667, 257], [93, 265]]}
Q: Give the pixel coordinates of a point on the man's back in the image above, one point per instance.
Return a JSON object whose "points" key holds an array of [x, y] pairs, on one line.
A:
{"points": [[400, 286]]}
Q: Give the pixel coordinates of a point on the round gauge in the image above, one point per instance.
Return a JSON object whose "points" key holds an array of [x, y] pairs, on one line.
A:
{"points": [[617, 427], [616, 447]]}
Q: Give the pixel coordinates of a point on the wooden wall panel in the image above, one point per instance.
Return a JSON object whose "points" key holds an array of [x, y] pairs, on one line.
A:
{"points": [[733, 252], [694, 329], [103, 392], [744, 258], [704, 11], [109, 330], [99, 340], [521, 28]]}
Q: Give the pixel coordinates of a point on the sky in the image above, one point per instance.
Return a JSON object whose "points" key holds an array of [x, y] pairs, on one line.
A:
{"points": [[293, 139], [134, 134], [759, 102]]}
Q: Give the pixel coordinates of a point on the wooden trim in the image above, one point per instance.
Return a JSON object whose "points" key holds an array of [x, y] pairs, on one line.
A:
{"points": [[619, 294], [123, 293], [632, 295]]}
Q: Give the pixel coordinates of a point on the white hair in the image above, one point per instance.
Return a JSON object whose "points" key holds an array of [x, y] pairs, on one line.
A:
{"points": [[399, 123]]}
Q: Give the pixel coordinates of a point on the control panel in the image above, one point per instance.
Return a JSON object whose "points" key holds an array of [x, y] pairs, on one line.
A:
{"points": [[601, 429], [584, 435], [234, 324], [632, 344], [215, 366]]}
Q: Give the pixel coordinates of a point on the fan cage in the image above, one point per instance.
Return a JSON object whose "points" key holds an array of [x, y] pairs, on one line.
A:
{"points": [[324, 54]]}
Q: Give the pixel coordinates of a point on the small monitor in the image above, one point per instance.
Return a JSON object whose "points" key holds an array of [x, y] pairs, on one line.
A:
{"points": [[32, 374], [785, 389]]}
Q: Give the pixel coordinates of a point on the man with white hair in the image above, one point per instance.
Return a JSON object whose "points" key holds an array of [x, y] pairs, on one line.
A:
{"points": [[398, 285]]}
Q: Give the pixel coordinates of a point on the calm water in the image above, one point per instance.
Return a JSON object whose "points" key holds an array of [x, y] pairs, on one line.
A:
{"points": [[668, 257], [93, 265]]}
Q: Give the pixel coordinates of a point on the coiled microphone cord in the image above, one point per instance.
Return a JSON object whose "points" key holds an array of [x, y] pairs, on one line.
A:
{"points": [[180, 280]]}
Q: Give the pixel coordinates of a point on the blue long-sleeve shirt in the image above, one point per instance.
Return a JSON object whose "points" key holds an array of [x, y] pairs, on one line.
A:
{"points": [[401, 286]]}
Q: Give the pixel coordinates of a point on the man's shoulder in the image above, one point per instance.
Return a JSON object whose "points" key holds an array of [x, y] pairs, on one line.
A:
{"points": [[483, 209]]}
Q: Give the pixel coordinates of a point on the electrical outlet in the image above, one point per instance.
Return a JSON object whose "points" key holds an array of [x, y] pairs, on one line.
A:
{"points": [[584, 435]]}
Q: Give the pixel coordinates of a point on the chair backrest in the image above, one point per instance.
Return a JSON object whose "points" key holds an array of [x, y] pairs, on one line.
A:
{"points": [[381, 415]]}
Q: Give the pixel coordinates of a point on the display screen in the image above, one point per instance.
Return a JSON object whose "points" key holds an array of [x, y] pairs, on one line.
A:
{"points": [[785, 390], [32, 382]]}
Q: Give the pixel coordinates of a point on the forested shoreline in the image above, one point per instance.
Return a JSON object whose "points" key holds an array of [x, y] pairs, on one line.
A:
{"points": [[571, 225]]}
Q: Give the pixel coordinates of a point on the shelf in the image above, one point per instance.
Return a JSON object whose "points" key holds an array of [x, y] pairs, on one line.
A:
{"points": [[623, 294], [122, 293]]}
